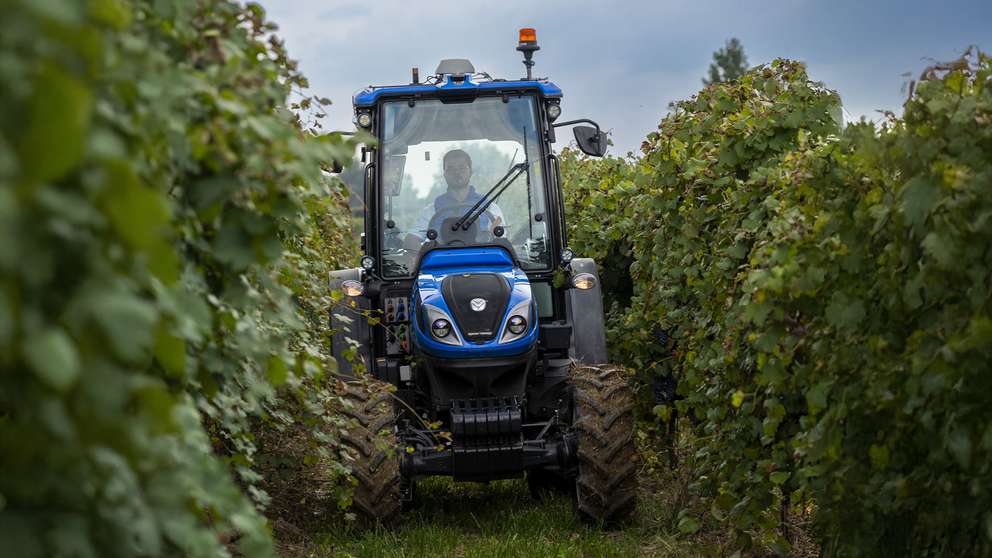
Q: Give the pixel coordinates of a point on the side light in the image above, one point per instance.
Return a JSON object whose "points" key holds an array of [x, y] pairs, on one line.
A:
{"points": [[567, 255], [441, 328], [584, 281], [554, 111], [352, 288], [367, 263], [364, 120]]}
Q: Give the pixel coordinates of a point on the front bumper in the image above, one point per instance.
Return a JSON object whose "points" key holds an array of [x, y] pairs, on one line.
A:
{"points": [[473, 378]]}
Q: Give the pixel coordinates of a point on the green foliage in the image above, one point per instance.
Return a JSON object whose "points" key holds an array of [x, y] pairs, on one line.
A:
{"points": [[826, 292], [876, 265], [597, 188], [729, 63], [160, 259]]}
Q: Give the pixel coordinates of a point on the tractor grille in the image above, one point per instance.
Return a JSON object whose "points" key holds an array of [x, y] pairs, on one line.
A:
{"points": [[460, 291]]}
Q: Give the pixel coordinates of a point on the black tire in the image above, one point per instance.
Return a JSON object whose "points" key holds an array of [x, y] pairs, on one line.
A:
{"points": [[606, 484], [371, 440]]}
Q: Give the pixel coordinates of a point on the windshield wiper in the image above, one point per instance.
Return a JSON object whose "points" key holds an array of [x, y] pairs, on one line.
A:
{"points": [[485, 201]]}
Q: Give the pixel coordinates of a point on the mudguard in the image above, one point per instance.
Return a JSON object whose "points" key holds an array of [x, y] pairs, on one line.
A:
{"points": [[349, 325], [585, 312]]}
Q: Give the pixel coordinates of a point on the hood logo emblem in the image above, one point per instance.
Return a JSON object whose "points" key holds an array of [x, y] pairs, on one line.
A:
{"points": [[478, 304]]}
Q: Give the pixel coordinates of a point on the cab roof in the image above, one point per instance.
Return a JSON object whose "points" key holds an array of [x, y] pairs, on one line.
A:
{"points": [[454, 86]]}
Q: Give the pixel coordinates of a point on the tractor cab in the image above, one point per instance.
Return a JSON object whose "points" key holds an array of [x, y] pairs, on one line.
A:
{"points": [[465, 170], [461, 160], [480, 310]]}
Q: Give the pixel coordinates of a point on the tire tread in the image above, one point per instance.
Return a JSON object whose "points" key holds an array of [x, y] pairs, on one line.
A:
{"points": [[606, 487]]}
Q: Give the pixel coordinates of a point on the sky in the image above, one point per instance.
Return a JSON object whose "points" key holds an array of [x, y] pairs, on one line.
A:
{"points": [[622, 63]]}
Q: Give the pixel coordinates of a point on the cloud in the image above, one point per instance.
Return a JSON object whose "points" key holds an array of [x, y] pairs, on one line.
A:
{"points": [[622, 63]]}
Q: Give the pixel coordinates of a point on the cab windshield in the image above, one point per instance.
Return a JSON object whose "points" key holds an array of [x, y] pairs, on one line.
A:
{"points": [[462, 174]]}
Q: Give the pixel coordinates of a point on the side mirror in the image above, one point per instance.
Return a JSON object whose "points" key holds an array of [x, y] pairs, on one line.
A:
{"points": [[336, 166], [590, 140]]}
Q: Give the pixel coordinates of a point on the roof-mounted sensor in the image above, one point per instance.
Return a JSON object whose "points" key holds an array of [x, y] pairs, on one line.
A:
{"points": [[455, 67]]}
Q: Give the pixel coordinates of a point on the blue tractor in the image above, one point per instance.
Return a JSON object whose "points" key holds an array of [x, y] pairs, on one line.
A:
{"points": [[487, 344]]}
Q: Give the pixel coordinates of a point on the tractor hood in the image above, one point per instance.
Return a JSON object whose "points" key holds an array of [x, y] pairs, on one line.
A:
{"points": [[483, 297]]}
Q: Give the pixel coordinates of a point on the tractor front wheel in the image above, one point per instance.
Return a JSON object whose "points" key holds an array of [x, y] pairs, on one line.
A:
{"points": [[603, 418], [371, 440]]}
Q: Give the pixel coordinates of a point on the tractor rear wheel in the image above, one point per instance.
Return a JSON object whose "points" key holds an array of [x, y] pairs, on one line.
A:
{"points": [[603, 417], [371, 440]]}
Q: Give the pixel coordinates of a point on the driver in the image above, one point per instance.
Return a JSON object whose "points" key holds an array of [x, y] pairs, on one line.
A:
{"points": [[457, 171]]}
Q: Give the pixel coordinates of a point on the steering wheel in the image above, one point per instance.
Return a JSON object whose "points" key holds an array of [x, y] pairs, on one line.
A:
{"points": [[445, 218]]}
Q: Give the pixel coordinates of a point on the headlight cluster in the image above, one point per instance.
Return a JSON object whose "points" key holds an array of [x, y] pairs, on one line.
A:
{"points": [[516, 325], [441, 328]]}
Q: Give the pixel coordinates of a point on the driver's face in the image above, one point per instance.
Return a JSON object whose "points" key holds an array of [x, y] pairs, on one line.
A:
{"points": [[457, 173]]}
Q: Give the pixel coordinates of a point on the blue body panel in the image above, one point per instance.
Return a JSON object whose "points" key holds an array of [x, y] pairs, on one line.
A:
{"points": [[439, 264], [371, 96]]}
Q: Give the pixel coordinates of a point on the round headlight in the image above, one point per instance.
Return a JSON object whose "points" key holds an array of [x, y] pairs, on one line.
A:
{"points": [[368, 262], [364, 119], [516, 325], [352, 287], [441, 328], [554, 111], [584, 281], [566, 255]]}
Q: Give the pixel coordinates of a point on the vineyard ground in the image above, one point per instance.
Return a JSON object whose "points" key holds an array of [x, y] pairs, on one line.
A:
{"points": [[472, 520]]}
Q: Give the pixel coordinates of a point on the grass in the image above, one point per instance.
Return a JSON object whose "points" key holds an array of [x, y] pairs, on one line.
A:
{"points": [[500, 519], [468, 520]]}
